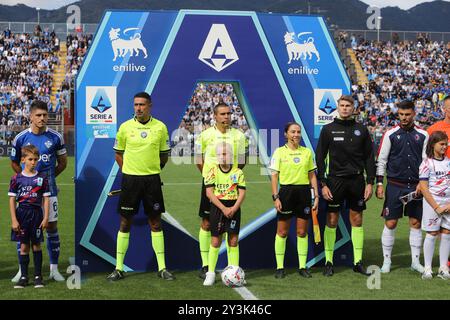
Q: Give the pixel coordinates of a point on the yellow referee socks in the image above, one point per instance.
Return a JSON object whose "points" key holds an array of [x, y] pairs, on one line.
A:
{"points": [[122, 246], [213, 257], [233, 256], [158, 247], [358, 243], [280, 249], [302, 251], [204, 240], [329, 239]]}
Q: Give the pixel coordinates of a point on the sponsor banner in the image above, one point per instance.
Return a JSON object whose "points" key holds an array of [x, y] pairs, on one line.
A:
{"points": [[101, 112]]}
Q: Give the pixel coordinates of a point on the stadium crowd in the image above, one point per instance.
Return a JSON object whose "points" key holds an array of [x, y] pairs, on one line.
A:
{"points": [[398, 70], [27, 62]]}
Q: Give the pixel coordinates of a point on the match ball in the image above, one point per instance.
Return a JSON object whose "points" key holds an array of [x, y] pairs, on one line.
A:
{"points": [[233, 276]]}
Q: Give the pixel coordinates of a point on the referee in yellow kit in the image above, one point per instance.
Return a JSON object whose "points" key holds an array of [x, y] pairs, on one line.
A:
{"points": [[142, 149], [293, 167]]}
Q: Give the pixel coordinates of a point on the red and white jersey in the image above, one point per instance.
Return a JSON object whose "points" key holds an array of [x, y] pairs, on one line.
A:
{"points": [[437, 173]]}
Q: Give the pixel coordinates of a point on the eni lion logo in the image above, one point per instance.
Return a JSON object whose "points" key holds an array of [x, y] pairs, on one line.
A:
{"points": [[123, 46], [298, 50]]}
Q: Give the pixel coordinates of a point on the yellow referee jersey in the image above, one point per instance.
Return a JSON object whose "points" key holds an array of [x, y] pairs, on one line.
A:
{"points": [[141, 145], [293, 165]]}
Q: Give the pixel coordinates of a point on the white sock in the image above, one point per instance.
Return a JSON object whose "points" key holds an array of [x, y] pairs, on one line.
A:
{"points": [[53, 267], [415, 241], [387, 241], [428, 249], [444, 249]]}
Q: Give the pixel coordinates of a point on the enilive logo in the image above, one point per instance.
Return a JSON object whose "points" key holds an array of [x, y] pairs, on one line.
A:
{"points": [[218, 51], [122, 46], [300, 50]]}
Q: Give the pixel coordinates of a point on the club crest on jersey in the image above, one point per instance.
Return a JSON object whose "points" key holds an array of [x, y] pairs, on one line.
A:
{"points": [[357, 132], [39, 181], [417, 137], [398, 137], [48, 144], [234, 178], [143, 134], [296, 160]]}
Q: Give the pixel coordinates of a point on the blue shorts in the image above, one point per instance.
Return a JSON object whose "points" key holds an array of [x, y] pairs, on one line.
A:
{"points": [[393, 208], [29, 221]]}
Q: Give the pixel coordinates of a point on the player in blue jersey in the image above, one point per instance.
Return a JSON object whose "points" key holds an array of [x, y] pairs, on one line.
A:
{"points": [[30, 189], [52, 161]]}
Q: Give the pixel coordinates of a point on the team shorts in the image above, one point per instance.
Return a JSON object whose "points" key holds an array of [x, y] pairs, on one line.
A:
{"points": [[135, 189], [205, 203], [221, 224], [29, 220], [431, 221], [295, 201], [393, 208], [351, 189]]}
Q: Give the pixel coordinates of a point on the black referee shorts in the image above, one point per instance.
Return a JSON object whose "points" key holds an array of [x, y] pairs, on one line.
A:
{"points": [[205, 203], [221, 224], [295, 200], [349, 188], [141, 188]]}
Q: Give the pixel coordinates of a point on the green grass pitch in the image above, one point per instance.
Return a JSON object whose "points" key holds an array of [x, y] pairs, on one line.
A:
{"points": [[401, 283]]}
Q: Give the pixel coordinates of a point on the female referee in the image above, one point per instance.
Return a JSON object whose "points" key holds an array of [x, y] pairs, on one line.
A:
{"points": [[293, 167]]}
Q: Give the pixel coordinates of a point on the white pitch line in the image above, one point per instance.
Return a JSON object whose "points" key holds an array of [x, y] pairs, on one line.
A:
{"points": [[245, 293]]}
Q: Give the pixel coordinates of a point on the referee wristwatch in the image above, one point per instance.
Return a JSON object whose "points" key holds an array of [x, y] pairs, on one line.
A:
{"points": [[275, 197]]}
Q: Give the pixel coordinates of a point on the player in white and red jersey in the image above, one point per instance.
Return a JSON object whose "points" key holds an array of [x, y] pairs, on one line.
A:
{"points": [[434, 175]]}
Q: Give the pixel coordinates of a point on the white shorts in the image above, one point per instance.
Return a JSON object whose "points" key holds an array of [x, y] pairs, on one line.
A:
{"points": [[431, 221], [53, 212]]}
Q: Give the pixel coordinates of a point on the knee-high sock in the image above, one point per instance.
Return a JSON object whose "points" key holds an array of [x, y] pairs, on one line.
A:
{"points": [[123, 239], [228, 249], [428, 249], [24, 260], [329, 239], [444, 249], [302, 251], [37, 259], [415, 241], [53, 246], [212, 258], [280, 249], [204, 239], [387, 242], [18, 252], [158, 247], [358, 243], [234, 256]]}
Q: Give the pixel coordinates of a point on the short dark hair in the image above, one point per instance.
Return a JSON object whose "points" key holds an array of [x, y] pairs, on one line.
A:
{"points": [[38, 104], [29, 149], [144, 95], [347, 98], [219, 105], [435, 138], [406, 104], [289, 124]]}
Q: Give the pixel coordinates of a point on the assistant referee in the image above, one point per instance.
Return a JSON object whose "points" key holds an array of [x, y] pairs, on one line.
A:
{"points": [[142, 149], [293, 167]]}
